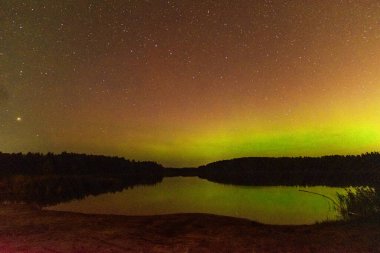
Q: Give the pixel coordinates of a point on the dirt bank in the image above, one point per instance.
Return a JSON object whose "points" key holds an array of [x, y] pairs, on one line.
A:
{"points": [[24, 229]]}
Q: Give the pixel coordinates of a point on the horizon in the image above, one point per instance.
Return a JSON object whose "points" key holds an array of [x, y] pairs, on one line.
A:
{"points": [[185, 83], [193, 166]]}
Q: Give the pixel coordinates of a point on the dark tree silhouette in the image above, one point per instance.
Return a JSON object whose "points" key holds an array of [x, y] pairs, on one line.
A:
{"points": [[327, 170], [72, 164], [53, 178]]}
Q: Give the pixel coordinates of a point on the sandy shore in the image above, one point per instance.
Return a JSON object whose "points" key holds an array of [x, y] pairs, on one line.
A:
{"points": [[24, 229]]}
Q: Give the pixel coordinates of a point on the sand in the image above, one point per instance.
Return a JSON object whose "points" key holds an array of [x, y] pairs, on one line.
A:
{"points": [[27, 229]]}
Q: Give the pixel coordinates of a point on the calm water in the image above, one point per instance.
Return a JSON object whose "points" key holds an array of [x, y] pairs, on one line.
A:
{"points": [[269, 204]]}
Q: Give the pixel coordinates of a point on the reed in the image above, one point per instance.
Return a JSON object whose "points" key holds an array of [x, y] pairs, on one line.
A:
{"points": [[359, 203]]}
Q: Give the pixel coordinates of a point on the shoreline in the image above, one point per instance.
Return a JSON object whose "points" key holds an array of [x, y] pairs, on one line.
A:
{"points": [[27, 229]]}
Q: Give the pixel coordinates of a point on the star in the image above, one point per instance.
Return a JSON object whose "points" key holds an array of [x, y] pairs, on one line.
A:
{"points": [[212, 63]]}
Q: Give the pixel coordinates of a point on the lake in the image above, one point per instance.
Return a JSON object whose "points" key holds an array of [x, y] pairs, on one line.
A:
{"points": [[266, 204]]}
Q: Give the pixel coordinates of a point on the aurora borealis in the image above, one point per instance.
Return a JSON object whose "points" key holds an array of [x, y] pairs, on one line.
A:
{"points": [[189, 82]]}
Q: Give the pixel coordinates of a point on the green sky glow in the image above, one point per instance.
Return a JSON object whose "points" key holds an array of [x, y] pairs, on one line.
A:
{"points": [[189, 82]]}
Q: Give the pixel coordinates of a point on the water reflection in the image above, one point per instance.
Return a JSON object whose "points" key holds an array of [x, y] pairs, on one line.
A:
{"points": [[50, 190], [270, 205]]}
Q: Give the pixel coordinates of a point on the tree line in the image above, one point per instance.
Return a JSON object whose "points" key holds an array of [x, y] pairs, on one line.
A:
{"points": [[47, 179], [72, 164], [336, 170]]}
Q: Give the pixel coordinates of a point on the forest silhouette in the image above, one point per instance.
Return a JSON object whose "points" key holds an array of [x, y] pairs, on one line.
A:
{"points": [[336, 170], [53, 178], [47, 179]]}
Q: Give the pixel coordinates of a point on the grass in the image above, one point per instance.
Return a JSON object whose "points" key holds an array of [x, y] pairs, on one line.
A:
{"points": [[362, 203]]}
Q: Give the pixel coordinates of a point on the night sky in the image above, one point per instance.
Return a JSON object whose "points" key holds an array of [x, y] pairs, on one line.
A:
{"points": [[189, 82]]}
